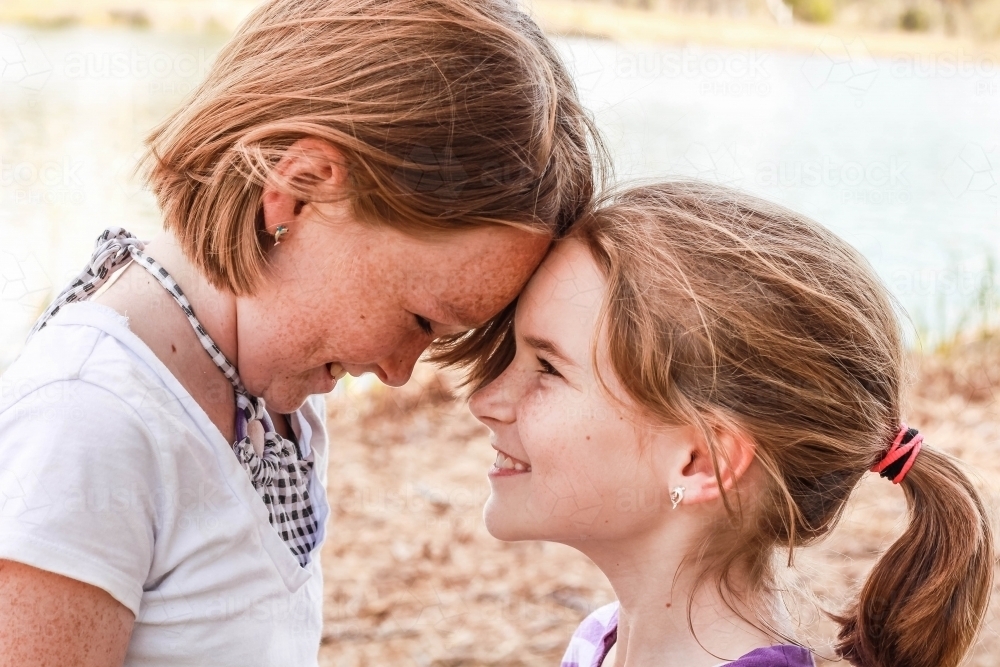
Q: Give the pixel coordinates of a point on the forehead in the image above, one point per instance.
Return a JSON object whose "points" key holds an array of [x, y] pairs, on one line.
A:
{"points": [[563, 299], [475, 274]]}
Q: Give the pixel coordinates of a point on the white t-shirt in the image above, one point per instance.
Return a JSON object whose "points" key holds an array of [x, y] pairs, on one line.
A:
{"points": [[111, 474]]}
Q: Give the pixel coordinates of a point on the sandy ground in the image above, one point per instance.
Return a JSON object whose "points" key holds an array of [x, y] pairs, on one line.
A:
{"points": [[413, 578]]}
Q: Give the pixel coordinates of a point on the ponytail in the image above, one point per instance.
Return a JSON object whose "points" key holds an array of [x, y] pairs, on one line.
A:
{"points": [[924, 601]]}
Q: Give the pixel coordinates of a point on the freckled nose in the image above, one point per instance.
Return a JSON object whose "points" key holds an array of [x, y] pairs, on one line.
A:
{"points": [[396, 370], [395, 376]]}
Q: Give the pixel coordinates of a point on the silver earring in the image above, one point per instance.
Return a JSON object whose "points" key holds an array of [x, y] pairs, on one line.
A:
{"points": [[279, 232], [676, 496]]}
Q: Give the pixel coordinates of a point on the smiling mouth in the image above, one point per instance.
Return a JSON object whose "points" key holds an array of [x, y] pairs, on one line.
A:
{"points": [[336, 370], [508, 465]]}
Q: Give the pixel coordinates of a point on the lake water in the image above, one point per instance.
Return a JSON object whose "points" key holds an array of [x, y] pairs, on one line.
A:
{"points": [[901, 156]]}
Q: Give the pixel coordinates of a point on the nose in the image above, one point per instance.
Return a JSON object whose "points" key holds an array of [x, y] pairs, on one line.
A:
{"points": [[395, 370], [495, 403]]}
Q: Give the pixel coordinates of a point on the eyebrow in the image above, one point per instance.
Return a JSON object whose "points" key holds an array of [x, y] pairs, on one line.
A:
{"points": [[545, 345]]}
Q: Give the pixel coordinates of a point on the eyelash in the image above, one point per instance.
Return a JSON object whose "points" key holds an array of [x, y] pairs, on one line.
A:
{"points": [[547, 368], [424, 325]]}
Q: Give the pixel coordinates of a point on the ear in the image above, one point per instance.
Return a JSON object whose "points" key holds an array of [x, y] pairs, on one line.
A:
{"points": [[734, 452], [308, 163]]}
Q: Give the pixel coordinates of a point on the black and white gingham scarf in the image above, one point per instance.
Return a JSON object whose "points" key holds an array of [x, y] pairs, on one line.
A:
{"points": [[280, 476]]}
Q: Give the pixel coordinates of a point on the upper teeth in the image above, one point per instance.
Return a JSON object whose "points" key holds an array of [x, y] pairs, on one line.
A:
{"points": [[504, 462], [337, 371]]}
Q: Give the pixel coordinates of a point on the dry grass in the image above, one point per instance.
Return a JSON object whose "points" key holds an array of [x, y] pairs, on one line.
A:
{"points": [[414, 579]]}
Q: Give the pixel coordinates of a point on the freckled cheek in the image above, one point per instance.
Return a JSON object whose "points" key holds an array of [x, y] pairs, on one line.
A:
{"points": [[369, 351], [268, 352], [361, 338]]}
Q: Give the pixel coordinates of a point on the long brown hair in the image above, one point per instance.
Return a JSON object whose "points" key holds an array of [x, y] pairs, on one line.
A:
{"points": [[725, 310], [450, 114]]}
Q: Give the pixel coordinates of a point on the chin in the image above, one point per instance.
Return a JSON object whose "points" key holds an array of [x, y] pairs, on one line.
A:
{"points": [[501, 525], [284, 402]]}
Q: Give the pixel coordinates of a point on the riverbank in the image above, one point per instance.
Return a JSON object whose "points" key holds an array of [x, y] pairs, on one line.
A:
{"points": [[569, 17], [757, 29], [413, 578]]}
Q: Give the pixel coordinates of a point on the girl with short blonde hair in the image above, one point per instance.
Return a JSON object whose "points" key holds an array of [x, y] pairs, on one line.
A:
{"points": [[353, 182]]}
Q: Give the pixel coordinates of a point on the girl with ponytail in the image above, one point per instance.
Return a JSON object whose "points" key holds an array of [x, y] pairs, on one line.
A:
{"points": [[694, 383]]}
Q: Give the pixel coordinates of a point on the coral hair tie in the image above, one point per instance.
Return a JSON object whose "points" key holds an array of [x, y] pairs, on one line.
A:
{"points": [[901, 455]]}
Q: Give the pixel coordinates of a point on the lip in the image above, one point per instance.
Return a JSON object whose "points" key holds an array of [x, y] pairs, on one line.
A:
{"points": [[326, 382], [508, 472]]}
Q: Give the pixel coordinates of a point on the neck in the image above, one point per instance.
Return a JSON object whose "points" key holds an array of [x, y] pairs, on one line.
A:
{"points": [[156, 319], [653, 622], [215, 309]]}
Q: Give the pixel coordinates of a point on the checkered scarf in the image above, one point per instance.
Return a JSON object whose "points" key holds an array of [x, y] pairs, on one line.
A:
{"points": [[278, 474]]}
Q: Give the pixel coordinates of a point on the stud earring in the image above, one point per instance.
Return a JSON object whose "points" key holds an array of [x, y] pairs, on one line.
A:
{"points": [[279, 232], [676, 496]]}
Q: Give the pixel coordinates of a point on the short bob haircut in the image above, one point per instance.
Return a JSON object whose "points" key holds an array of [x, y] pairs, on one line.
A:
{"points": [[450, 114]]}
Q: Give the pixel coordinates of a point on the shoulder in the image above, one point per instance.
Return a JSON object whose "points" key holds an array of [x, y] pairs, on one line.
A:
{"points": [[75, 413], [75, 342], [80, 466], [592, 638], [85, 365], [78, 392]]}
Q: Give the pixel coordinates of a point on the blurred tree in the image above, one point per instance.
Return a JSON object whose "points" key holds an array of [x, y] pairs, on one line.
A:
{"points": [[813, 11]]}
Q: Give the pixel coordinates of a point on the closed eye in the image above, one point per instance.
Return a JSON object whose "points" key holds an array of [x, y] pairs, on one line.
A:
{"points": [[424, 325], [547, 368]]}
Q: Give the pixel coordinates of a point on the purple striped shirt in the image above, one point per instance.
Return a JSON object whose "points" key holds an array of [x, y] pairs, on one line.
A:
{"points": [[594, 638]]}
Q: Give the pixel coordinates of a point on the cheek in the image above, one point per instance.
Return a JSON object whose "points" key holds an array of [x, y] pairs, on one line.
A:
{"points": [[365, 337], [582, 463], [566, 427], [589, 474], [349, 315], [352, 335]]}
